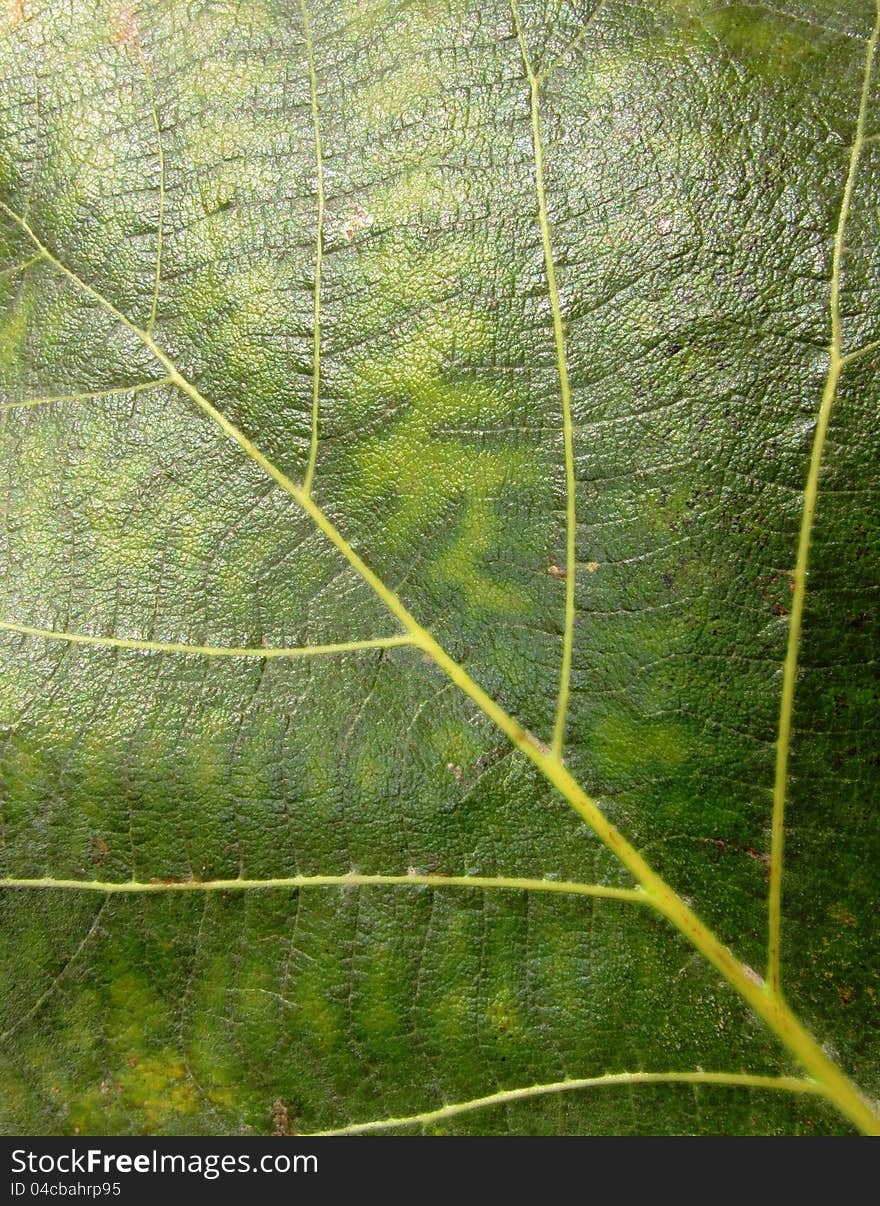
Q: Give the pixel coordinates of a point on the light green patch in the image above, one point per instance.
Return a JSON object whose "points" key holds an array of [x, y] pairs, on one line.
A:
{"points": [[761, 38], [14, 328], [137, 1011], [322, 1017], [455, 744], [370, 773], [769, 43], [424, 191], [378, 1014], [627, 745], [609, 73], [428, 471], [206, 765], [405, 275], [158, 1087], [428, 475], [502, 1014], [414, 83], [237, 80], [234, 317], [417, 364], [463, 565], [451, 1013], [409, 19]]}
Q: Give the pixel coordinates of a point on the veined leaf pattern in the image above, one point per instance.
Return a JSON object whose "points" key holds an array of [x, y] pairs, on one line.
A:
{"points": [[438, 566]]}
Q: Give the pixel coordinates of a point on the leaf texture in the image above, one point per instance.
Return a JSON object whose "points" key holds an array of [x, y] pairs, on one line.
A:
{"points": [[409, 412]]}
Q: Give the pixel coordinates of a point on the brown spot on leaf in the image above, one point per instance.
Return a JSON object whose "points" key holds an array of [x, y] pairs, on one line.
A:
{"points": [[455, 770], [358, 219], [125, 30], [556, 571], [723, 846], [841, 915], [15, 8], [100, 850], [281, 1124], [769, 587], [592, 566]]}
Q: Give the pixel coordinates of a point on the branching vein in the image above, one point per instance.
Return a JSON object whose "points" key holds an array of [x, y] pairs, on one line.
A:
{"points": [[254, 651], [837, 362], [742, 1080], [86, 395], [65, 970], [13, 269], [130, 887], [572, 46], [319, 254], [160, 221], [564, 389]]}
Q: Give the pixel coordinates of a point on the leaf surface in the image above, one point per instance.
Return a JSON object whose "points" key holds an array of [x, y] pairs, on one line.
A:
{"points": [[531, 325]]}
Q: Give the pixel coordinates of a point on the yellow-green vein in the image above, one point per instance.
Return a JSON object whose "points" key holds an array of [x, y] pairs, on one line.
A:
{"points": [[836, 363], [319, 254], [87, 395], [38, 114], [866, 349], [160, 220], [565, 392], [568, 49], [742, 1080], [767, 1005], [353, 879], [254, 651], [13, 269]]}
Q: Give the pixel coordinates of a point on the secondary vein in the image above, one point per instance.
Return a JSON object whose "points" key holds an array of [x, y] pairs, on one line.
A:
{"points": [[160, 155], [837, 362], [746, 1080], [319, 255], [86, 395], [130, 887], [254, 651], [564, 389]]}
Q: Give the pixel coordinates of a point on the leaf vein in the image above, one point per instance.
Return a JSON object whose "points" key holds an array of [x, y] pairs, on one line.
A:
{"points": [[789, 1084], [801, 571], [244, 651]]}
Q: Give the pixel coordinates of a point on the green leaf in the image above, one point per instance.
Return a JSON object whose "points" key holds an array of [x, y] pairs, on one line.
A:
{"points": [[438, 566]]}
